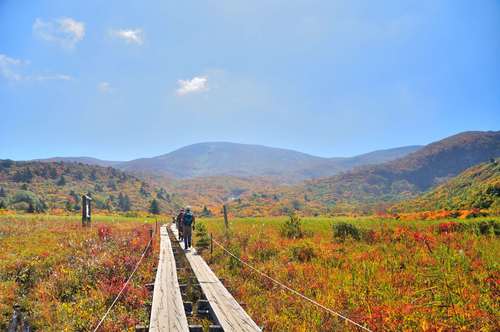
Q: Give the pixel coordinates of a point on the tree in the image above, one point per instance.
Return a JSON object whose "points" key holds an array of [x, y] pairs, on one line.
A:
{"points": [[109, 204], [62, 181], [31, 208], [112, 185], [144, 192], [93, 175], [206, 212], [123, 202], [35, 204], [3, 205], [296, 205], [24, 175], [52, 173], [154, 208], [292, 228], [2, 192], [68, 206]]}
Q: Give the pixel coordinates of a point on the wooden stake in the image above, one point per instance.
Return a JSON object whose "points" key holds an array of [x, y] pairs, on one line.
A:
{"points": [[211, 244], [226, 223]]}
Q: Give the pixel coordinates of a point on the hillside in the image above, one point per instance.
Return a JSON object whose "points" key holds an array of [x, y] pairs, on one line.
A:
{"points": [[245, 160], [38, 186], [376, 187], [407, 176], [378, 157], [365, 188], [82, 160], [476, 187]]}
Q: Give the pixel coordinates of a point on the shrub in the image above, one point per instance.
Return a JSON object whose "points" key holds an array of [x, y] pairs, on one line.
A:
{"points": [[234, 265], [34, 203], [104, 232], [264, 250], [202, 238], [450, 227], [488, 227], [342, 231], [292, 228], [371, 236], [302, 252], [154, 208]]}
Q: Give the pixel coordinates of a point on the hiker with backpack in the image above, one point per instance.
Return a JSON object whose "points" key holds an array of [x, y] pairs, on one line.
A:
{"points": [[180, 224], [188, 223]]}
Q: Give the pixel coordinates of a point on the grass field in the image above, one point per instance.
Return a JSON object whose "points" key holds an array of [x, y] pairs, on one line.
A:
{"points": [[64, 277], [387, 274], [392, 275]]}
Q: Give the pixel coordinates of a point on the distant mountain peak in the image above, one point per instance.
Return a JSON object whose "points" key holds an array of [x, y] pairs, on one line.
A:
{"points": [[252, 160]]}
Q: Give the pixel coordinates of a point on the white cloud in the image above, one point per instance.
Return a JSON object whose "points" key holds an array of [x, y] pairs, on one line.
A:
{"points": [[56, 77], [11, 70], [196, 84], [65, 31], [104, 87], [131, 36]]}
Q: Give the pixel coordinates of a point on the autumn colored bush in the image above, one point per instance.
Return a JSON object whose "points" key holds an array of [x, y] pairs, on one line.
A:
{"points": [[401, 275], [450, 227], [65, 276], [302, 252]]}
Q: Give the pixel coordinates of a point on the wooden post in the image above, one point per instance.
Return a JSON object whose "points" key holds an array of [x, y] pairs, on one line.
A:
{"points": [[211, 244], [226, 223]]}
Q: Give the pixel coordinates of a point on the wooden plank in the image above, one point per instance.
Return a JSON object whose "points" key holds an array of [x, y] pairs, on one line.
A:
{"points": [[167, 310], [230, 315]]}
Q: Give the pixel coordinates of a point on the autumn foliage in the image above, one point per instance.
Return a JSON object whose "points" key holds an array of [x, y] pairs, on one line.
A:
{"points": [[388, 274], [65, 277]]}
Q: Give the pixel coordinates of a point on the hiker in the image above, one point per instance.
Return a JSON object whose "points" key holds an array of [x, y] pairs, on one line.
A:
{"points": [[188, 222], [179, 224]]}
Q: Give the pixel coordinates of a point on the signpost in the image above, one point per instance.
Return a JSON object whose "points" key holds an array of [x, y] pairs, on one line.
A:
{"points": [[86, 210]]}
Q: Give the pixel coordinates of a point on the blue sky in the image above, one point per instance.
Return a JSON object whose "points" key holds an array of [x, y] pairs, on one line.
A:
{"points": [[126, 79]]}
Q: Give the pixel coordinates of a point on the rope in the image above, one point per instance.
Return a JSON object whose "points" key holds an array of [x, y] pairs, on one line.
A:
{"points": [[347, 319], [123, 288]]}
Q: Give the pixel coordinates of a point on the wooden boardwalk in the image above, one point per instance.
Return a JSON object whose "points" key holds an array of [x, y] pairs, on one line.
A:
{"points": [[167, 310], [230, 315]]}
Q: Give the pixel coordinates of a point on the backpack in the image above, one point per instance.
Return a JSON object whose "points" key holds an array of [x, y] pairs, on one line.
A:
{"points": [[187, 220]]}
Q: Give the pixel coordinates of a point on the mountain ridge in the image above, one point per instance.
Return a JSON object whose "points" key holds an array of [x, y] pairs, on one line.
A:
{"points": [[242, 160]]}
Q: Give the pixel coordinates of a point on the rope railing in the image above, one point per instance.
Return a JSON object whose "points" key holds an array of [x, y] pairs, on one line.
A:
{"points": [[279, 283], [124, 286]]}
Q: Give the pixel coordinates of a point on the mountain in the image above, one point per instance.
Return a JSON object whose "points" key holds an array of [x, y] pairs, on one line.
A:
{"points": [[38, 186], [379, 156], [245, 160], [369, 188], [82, 160], [476, 187], [407, 176], [241, 160]]}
